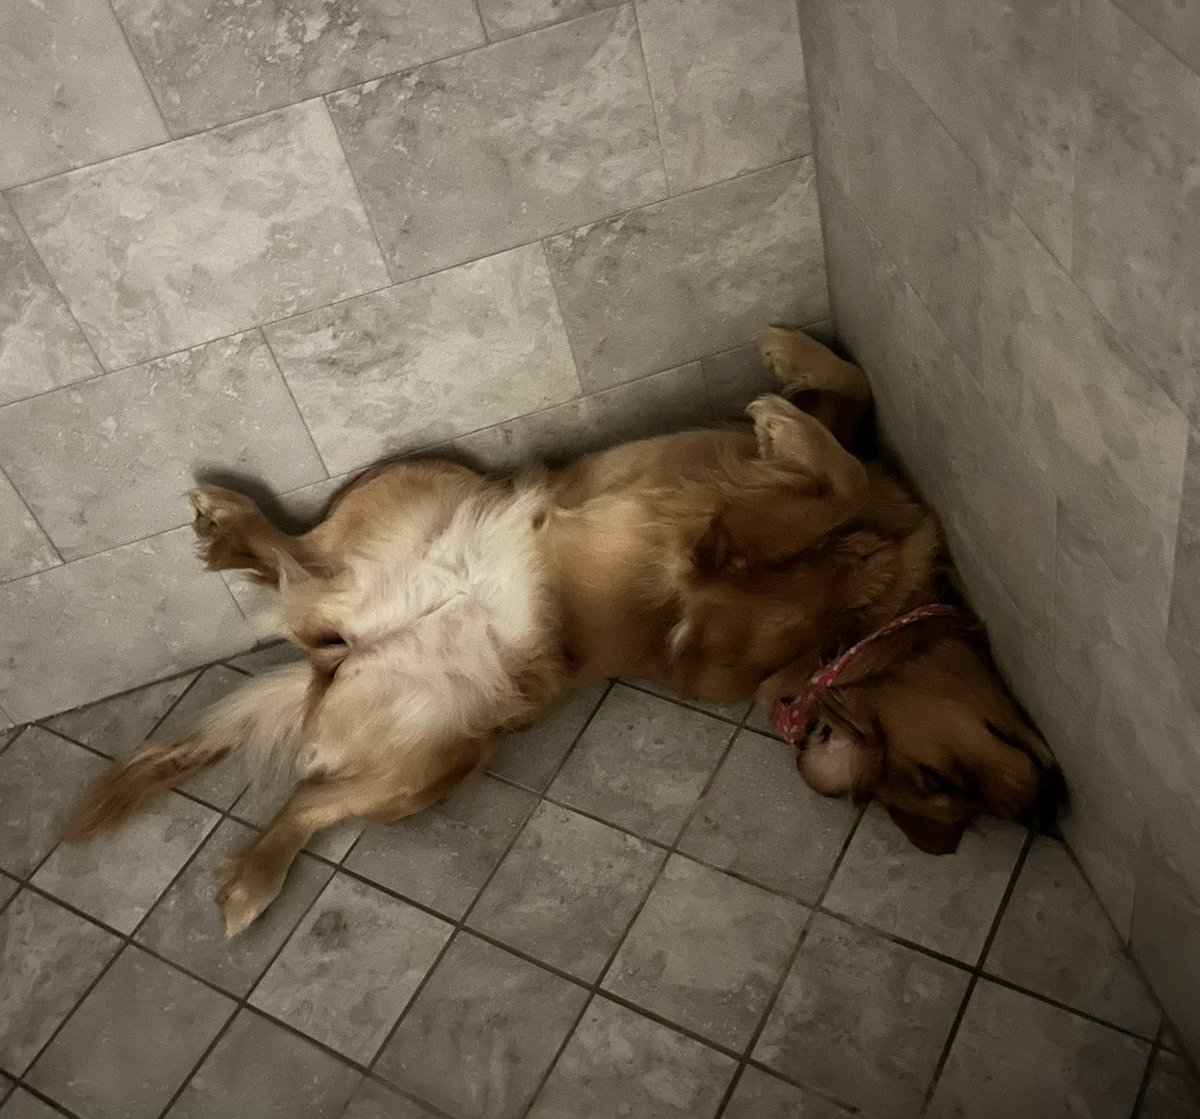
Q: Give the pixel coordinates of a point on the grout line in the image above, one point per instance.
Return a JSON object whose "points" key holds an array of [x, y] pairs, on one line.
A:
{"points": [[562, 322], [137, 64], [487, 39], [976, 972], [4, 476], [1148, 1072], [662, 150], [296, 404]]}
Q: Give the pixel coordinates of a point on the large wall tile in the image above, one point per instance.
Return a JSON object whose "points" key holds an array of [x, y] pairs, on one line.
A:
{"points": [[71, 91], [24, 548], [1183, 625], [108, 461], [1137, 228], [727, 78], [681, 279], [1112, 443], [1000, 74], [224, 59], [429, 359], [670, 401], [99, 625], [196, 239], [501, 146], [40, 344], [504, 18]]}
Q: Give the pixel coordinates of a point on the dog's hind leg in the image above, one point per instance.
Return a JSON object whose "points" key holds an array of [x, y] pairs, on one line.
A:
{"points": [[233, 534]]}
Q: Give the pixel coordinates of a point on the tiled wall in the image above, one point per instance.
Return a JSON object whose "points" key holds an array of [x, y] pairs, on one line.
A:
{"points": [[1011, 195], [288, 239]]}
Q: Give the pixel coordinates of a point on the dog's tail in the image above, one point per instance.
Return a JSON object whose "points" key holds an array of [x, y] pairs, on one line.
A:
{"points": [[261, 720]]}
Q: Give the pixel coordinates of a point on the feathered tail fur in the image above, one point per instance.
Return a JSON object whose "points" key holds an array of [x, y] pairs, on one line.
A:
{"points": [[261, 721]]}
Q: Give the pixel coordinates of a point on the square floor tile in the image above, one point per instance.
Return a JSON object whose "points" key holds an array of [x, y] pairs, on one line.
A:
{"points": [[258, 1069], [350, 968], [759, 1095], [760, 820], [862, 1019], [1055, 940], [114, 726], [642, 763], [732, 712], [48, 957], [175, 267], [132, 1042], [41, 777], [706, 951], [620, 1064], [221, 785], [479, 1037], [1173, 1091], [567, 890], [371, 1100], [25, 1105], [118, 878], [532, 757], [186, 926], [943, 902], [1015, 1055], [462, 158], [441, 857]]}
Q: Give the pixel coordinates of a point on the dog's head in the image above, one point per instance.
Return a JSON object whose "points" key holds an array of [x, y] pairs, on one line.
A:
{"points": [[937, 740]]}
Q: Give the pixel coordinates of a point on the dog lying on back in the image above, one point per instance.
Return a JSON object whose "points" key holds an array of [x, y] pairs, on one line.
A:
{"points": [[441, 609]]}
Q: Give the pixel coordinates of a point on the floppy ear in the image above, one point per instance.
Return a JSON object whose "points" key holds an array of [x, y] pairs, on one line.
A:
{"points": [[931, 836]]}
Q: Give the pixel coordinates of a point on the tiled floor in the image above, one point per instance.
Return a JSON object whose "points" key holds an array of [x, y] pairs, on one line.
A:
{"points": [[641, 912]]}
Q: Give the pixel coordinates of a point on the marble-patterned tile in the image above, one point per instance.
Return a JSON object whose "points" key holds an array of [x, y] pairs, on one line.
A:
{"points": [[185, 925], [480, 1036], [862, 1018], [618, 1063], [221, 785], [24, 548], [759, 1095], [71, 91], [117, 878], [567, 890], [23, 1104], [48, 958], [158, 613], [642, 763], [1183, 620], [41, 346], [115, 725], [351, 966], [1137, 223], [1002, 78], [691, 276], [706, 952], [734, 378], [761, 821], [41, 775], [532, 757], [258, 1068], [673, 400], [943, 902], [1055, 940], [221, 61], [108, 461], [133, 1040], [501, 146], [429, 359], [1173, 1091], [371, 1100], [442, 856], [169, 247], [727, 78], [505, 18], [1112, 443], [1014, 1055], [1175, 23]]}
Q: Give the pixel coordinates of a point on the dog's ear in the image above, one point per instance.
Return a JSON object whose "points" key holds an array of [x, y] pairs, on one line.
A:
{"points": [[931, 836]]}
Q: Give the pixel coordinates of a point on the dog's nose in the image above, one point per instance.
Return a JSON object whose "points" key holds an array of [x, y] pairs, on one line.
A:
{"points": [[1050, 798]]}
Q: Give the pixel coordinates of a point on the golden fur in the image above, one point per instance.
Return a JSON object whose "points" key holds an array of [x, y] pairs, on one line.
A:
{"points": [[441, 608]]}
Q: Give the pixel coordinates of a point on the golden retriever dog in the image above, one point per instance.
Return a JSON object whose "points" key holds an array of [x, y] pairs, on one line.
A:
{"points": [[441, 609]]}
